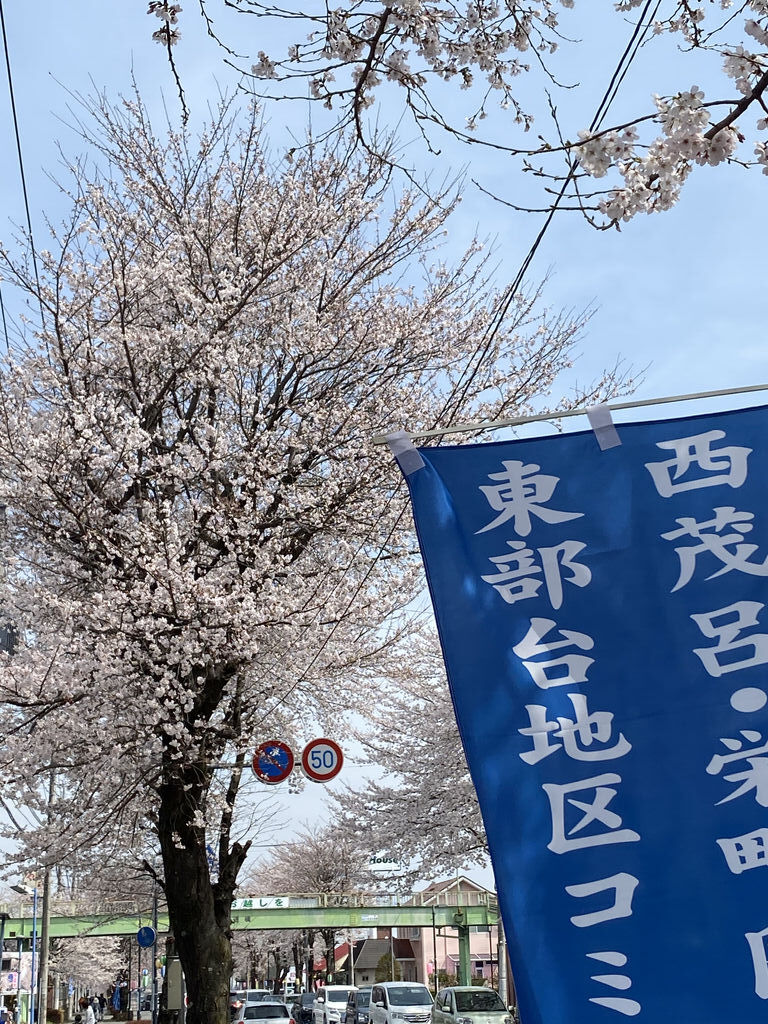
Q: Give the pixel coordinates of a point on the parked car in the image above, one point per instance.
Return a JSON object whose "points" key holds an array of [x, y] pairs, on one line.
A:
{"points": [[302, 1007], [272, 1011], [358, 1005], [239, 997], [331, 1004], [463, 1003], [393, 1002]]}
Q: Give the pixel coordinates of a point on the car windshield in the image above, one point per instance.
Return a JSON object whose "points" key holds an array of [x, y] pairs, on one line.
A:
{"points": [[363, 998], [337, 995], [307, 998], [262, 1011], [483, 1000], [409, 995]]}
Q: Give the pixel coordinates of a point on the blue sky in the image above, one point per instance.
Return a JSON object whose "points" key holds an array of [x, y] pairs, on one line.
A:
{"points": [[681, 294]]}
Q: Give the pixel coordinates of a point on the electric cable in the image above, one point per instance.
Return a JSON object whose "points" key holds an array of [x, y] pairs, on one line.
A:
{"points": [[21, 165], [625, 61], [5, 324]]}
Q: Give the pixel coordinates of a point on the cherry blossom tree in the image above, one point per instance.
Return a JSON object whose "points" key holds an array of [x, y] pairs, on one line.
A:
{"points": [[319, 860], [93, 963], [420, 808], [202, 548], [455, 68]]}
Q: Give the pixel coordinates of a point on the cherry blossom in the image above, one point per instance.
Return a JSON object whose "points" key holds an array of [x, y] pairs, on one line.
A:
{"points": [[505, 54], [203, 548]]}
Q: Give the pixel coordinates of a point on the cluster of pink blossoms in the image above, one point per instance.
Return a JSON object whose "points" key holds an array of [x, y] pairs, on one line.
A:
{"points": [[653, 179]]}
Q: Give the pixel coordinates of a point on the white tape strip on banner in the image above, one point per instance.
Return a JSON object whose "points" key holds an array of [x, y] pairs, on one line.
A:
{"points": [[405, 451], [601, 421]]}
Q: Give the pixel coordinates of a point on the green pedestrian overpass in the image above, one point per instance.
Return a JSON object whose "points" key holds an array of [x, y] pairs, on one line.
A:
{"points": [[318, 910], [458, 910]]}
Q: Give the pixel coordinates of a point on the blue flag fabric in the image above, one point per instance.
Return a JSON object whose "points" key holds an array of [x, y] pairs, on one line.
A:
{"points": [[603, 622]]}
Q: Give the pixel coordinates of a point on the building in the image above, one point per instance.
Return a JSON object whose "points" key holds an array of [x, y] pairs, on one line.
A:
{"points": [[437, 950], [372, 955]]}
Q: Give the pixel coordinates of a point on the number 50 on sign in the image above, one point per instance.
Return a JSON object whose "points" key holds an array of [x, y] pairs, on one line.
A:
{"points": [[321, 760]]}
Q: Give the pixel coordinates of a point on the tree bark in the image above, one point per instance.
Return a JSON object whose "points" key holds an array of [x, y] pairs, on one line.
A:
{"points": [[199, 911]]}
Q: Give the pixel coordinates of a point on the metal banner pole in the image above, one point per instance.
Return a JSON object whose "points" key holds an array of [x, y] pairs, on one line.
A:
{"points": [[32, 980], [154, 954]]}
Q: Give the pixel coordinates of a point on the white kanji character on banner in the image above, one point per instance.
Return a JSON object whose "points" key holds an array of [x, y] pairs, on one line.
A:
{"points": [[743, 853], [756, 942], [753, 778], [696, 464], [515, 579], [585, 738], [725, 625], [567, 670], [712, 539], [620, 982], [623, 886], [592, 813], [521, 493]]}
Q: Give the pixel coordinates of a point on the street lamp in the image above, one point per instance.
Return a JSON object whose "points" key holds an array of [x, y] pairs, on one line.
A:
{"points": [[24, 890]]}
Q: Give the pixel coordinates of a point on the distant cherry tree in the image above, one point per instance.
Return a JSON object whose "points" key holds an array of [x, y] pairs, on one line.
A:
{"points": [[203, 548], [319, 859], [419, 807]]}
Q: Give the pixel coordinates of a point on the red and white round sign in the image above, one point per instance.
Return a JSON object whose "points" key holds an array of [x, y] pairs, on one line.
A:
{"points": [[321, 760]]}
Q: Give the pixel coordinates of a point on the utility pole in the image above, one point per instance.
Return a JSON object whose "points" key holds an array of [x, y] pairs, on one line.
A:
{"points": [[3, 919], [501, 956], [45, 926]]}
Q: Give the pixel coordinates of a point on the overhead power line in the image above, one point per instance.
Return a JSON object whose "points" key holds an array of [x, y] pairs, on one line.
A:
{"points": [[636, 40], [21, 166]]}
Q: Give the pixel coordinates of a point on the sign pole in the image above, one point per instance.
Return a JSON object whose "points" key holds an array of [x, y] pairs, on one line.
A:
{"points": [[138, 986], [154, 953]]}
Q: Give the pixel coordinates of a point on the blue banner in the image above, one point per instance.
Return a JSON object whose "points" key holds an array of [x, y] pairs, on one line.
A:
{"points": [[602, 617]]}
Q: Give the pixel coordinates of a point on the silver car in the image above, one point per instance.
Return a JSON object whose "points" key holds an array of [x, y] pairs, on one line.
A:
{"points": [[272, 1012], [466, 1004]]}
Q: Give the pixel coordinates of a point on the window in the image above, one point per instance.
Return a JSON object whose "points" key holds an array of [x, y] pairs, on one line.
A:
{"points": [[480, 1000], [410, 995]]}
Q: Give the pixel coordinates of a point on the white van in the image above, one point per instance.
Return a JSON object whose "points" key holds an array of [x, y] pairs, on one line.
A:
{"points": [[393, 1002], [330, 1005]]}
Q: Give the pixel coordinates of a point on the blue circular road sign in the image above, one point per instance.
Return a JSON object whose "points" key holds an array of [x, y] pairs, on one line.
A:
{"points": [[146, 937]]}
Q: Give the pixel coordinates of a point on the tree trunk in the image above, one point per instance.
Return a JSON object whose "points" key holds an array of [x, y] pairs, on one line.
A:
{"points": [[199, 912]]}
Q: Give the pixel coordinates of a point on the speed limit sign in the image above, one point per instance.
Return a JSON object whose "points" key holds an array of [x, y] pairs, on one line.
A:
{"points": [[321, 760]]}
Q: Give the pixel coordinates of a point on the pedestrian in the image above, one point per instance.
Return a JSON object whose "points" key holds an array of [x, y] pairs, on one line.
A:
{"points": [[102, 1005], [89, 1017]]}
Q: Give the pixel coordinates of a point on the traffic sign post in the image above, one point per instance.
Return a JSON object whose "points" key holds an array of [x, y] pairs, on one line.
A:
{"points": [[322, 760], [273, 762]]}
